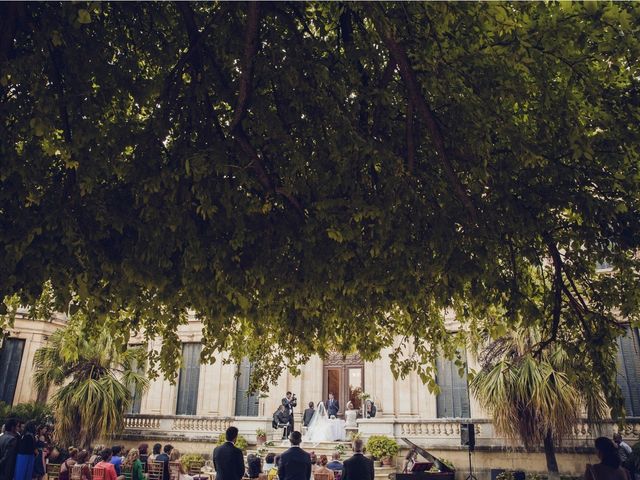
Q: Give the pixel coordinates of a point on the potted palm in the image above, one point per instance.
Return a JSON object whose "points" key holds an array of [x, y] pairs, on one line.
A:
{"points": [[261, 436], [383, 448]]}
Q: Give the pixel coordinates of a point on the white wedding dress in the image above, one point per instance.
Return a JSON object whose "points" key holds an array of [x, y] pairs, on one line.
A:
{"points": [[319, 429]]}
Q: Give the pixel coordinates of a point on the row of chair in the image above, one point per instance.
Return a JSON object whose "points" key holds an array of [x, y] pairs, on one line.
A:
{"points": [[154, 471]]}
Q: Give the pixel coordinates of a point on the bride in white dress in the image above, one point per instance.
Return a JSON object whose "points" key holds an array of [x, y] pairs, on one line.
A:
{"points": [[319, 429]]}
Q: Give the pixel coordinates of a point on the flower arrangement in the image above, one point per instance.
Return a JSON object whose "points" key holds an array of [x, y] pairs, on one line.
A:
{"points": [[506, 475], [340, 448], [260, 433]]}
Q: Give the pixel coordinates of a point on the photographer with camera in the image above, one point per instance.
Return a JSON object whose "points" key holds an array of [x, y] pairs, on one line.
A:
{"points": [[290, 402]]}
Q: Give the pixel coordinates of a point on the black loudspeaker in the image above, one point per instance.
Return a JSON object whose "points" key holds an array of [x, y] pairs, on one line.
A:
{"points": [[468, 435]]}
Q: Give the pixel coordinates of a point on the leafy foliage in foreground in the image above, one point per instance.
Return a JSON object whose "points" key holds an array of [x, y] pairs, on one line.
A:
{"points": [[325, 175], [95, 381]]}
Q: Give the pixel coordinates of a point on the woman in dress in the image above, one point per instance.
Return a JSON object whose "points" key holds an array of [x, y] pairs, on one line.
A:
{"points": [[41, 442], [67, 465], [83, 463], [133, 464], [350, 415], [322, 467], [175, 457], [319, 429], [609, 467], [370, 409], [26, 453]]}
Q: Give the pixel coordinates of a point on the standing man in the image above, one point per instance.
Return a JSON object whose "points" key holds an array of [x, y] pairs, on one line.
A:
{"points": [[358, 467], [295, 463], [8, 449], [290, 402], [228, 459], [624, 450], [308, 415], [332, 406]]}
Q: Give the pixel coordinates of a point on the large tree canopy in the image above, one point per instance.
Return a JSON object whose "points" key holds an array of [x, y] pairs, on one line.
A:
{"points": [[325, 175]]}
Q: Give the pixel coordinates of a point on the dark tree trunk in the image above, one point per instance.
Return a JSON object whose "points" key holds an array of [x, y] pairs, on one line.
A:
{"points": [[550, 454]]}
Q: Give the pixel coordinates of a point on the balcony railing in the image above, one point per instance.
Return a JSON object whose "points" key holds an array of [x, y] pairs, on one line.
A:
{"points": [[176, 424]]}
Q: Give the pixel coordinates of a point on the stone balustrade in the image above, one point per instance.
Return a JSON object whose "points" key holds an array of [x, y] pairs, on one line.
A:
{"points": [[167, 425]]}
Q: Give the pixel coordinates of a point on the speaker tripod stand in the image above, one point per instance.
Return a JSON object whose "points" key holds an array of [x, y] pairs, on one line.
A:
{"points": [[471, 476]]}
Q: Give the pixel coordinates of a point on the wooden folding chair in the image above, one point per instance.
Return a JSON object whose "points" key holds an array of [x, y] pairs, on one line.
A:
{"points": [[53, 471], [174, 470], [322, 476], [154, 470], [98, 473], [127, 472], [195, 468], [76, 472]]}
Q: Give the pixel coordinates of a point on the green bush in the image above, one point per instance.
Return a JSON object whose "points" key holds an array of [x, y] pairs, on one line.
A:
{"points": [[381, 446], [241, 442], [187, 459], [507, 475], [39, 412]]}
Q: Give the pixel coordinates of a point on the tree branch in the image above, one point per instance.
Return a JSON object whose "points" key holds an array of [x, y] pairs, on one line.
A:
{"points": [[250, 50], [411, 147], [399, 55]]}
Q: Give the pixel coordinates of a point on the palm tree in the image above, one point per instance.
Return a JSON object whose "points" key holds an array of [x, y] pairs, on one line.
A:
{"points": [[96, 377], [535, 398]]}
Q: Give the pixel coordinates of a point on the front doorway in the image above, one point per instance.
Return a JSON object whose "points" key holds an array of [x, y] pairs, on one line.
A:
{"points": [[344, 377]]}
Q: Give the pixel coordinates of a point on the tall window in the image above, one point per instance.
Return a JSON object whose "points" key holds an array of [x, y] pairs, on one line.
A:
{"points": [[246, 404], [453, 399], [136, 402], [10, 360], [189, 379], [628, 377]]}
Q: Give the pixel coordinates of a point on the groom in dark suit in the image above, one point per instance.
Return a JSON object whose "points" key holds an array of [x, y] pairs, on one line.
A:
{"points": [[358, 467], [332, 406], [295, 463], [228, 459]]}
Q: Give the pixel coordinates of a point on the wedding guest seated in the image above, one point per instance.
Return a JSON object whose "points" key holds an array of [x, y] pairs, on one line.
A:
{"points": [[95, 457], [269, 462], [157, 450], [143, 452], [175, 457], [65, 467], [370, 409], [254, 466], [335, 464], [133, 464], [107, 466], [609, 467], [314, 463], [116, 459], [164, 458], [273, 473], [83, 463], [322, 467]]}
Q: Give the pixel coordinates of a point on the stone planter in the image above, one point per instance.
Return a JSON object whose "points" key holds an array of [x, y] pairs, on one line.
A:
{"points": [[261, 439]]}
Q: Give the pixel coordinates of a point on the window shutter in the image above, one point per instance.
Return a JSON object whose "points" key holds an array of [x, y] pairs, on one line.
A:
{"points": [[246, 405], [453, 399], [189, 378], [10, 361], [628, 377]]}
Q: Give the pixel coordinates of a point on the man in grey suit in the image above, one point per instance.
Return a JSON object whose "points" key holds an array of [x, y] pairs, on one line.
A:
{"points": [[8, 449], [358, 467], [295, 463]]}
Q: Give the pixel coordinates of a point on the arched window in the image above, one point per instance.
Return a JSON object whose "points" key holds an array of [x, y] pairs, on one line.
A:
{"points": [[246, 404]]}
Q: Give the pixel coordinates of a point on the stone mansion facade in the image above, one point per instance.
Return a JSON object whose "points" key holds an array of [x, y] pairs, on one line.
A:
{"points": [[205, 399]]}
